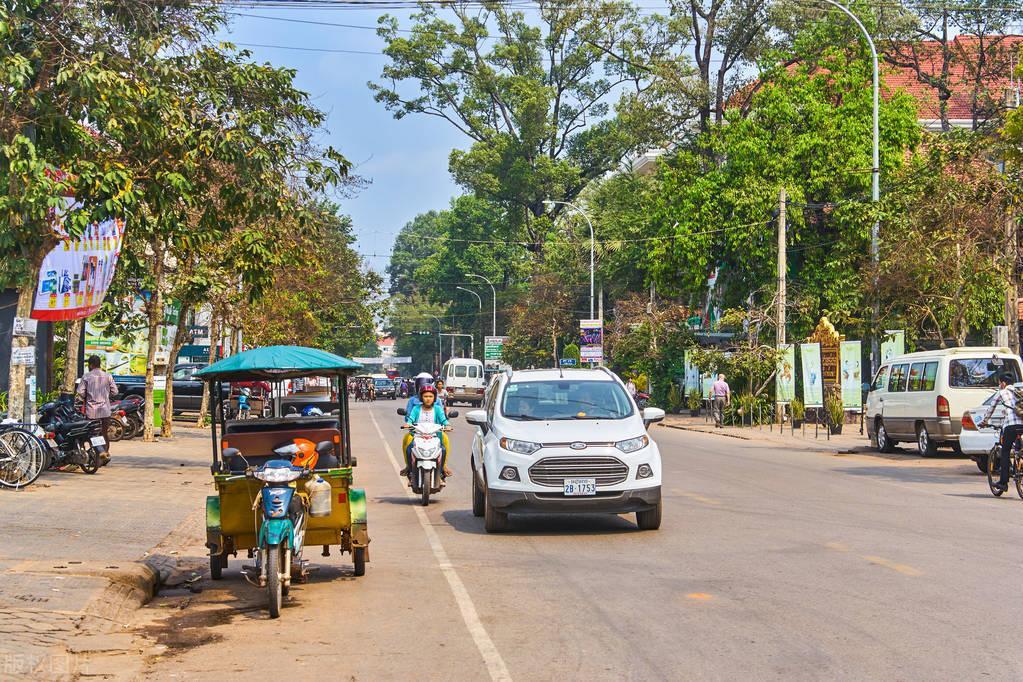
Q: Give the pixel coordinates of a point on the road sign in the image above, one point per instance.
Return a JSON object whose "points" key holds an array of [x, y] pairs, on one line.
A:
{"points": [[493, 347], [24, 356], [25, 326], [567, 362]]}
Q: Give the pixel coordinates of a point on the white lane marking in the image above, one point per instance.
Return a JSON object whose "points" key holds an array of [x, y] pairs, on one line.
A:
{"points": [[491, 656]]}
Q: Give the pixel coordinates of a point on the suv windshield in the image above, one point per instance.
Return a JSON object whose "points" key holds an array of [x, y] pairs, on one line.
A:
{"points": [[383, 383], [560, 400]]}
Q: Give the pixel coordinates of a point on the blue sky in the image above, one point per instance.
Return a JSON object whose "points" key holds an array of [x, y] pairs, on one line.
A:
{"points": [[406, 161]]}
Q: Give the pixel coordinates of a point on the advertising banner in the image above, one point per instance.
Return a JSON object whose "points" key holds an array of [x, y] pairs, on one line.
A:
{"points": [[707, 384], [813, 386], [785, 379], [75, 275], [852, 383], [692, 382], [893, 344], [591, 341]]}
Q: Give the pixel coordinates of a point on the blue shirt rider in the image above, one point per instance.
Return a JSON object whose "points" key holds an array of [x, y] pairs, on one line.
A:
{"points": [[426, 409]]}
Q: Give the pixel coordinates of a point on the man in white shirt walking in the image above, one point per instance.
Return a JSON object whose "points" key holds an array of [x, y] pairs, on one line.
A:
{"points": [[721, 395]]}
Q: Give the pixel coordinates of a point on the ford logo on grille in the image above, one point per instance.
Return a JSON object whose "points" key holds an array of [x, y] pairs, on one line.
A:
{"points": [[578, 446]]}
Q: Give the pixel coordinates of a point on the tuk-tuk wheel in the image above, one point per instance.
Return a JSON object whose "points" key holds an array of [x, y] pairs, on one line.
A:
{"points": [[217, 564], [359, 558]]}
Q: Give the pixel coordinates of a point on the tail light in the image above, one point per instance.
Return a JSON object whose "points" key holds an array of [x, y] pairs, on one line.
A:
{"points": [[51, 435], [968, 424], [120, 413], [943, 410]]}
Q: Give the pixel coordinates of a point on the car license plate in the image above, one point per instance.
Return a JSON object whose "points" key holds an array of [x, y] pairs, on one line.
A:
{"points": [[98, 441], [580, 486]]}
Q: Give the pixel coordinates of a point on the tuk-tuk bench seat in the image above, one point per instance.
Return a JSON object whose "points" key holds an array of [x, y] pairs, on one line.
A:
{"points": [[257, 447]]}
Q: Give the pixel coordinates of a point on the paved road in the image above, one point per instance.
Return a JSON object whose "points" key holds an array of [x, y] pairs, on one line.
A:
{"points": [[769, 564]]}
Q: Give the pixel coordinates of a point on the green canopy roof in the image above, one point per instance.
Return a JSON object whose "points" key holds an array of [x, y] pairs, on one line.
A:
{"points": [[277, 362]]}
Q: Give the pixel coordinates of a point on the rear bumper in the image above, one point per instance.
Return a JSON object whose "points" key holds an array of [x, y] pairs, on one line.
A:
{"points": [[617, 502], [465, 396]]}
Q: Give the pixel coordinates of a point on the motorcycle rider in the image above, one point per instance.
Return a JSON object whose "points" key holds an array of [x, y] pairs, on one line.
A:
{"points": [[428, 410], [1012, 424]]}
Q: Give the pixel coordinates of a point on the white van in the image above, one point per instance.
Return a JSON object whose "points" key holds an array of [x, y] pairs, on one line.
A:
{"points": [[463, 378], [920, 397]]}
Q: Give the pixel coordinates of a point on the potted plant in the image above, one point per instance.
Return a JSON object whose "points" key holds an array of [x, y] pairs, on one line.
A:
{"points": [[674, 399], [798, 413], [836, 414], [694, 401]]}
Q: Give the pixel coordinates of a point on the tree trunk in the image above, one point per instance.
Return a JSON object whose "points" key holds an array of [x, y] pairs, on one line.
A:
{"points": [[16, 386], [75, 329], [204, 406], [179, 340]]}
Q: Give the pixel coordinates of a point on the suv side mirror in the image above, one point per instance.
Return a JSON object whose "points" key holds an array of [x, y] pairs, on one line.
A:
{"points": [[477, 418], [652, 415]]}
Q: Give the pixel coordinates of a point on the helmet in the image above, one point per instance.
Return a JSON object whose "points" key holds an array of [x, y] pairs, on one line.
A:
{"points": [[427, 388], [1007, 377], [422, 379], [246, 391], [311, 411], [303, 452]]}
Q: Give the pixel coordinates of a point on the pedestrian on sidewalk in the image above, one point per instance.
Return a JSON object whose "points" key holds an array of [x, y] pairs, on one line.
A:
{"points": [[721, 395], [97, 388]]}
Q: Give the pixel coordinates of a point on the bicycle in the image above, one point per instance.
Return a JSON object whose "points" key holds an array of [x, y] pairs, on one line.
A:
{"points": [[994, 465], [23, 456]]}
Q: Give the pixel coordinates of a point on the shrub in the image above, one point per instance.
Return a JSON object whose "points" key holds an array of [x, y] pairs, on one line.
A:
{"points": [[835, 410], [674, 398], [798, 409], [694, 400], [749, 409]]}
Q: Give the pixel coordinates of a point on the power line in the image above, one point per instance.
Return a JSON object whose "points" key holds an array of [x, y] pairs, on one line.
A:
{"points": [[311, 49]]}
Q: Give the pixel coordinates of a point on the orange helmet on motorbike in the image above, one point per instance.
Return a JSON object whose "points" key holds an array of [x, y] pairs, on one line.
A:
{"points": [[304, 453]]}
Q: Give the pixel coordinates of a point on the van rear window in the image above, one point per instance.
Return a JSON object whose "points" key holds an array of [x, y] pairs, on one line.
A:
{"points": [[979, 372], [460, 371]]}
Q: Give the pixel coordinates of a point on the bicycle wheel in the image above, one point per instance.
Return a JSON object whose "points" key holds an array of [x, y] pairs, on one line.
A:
{"points": [[22, 458], [1017, 472], [994, 470]]}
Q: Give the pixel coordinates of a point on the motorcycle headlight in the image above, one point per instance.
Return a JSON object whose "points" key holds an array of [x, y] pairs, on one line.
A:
{"points": [[278, 475], [520, 447], [632, 444]]}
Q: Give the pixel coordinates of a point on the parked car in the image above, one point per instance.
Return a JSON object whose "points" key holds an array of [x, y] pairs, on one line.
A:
{"points": [[563, 441], [975, 441], [187, 390], [914, 396], [464, 380]]}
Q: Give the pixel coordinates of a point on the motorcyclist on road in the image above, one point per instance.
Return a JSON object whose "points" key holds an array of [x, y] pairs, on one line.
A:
{"points": [[427, 411], [1012, 424]]}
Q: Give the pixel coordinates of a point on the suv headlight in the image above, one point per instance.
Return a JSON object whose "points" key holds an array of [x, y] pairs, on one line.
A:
{"points": [[520, 447], [632, 444]]}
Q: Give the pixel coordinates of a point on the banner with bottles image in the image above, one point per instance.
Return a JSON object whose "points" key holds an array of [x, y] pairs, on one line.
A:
{"points": [[813, 385], [785, 378], [893, 344], [692, 376], [850, 373]]}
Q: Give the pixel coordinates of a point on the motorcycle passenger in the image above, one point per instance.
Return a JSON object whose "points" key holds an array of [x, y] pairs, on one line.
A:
{"points": [[421, 379], [443, 397], [427, 411], [1012, 425]]}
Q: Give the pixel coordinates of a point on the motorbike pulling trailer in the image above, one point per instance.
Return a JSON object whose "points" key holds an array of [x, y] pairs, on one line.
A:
{"points": [[272, 497]]}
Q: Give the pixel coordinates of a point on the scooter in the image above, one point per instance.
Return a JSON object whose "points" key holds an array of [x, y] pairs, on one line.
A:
{"points": [[425, 473], [283, 526]]}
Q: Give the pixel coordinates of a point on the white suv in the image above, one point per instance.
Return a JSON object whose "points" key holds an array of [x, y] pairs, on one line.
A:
{"points": [[563, 441]]}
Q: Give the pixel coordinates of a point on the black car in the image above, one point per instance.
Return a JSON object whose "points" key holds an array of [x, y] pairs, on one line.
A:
{"points": [[187, 389], [385, 389]]}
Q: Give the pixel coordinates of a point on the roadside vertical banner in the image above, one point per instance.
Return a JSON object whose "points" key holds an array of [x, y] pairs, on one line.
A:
{"points": [[692, 374], [813, 387], [893, 344], [591, 341], [849, 374], [785, 378], [75, 274], [708, 383]]}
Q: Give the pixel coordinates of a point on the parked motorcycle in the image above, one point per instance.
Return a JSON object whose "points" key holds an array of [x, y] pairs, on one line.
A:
{"points": [[71, 438], [642, 400]]}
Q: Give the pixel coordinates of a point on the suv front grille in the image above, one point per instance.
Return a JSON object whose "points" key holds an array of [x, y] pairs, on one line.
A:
{"points": [[552, 471]]}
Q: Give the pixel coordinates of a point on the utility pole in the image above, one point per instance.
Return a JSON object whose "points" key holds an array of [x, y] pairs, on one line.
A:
{"points": [[1012, 281], [782, 266], [779, 334]]}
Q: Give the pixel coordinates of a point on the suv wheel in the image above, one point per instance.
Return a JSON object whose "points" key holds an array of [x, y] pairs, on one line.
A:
{"points": [[924, 444], [649, 519], [494, 521], [478, 499]]}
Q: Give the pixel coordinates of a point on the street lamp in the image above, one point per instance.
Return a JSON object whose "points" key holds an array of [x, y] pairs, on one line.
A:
{"points": [[478, 297], [875, 184], [493, 329], [440, 351], [592, 243]]}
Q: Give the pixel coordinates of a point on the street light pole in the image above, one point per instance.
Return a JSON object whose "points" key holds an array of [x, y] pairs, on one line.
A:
{"points": [[592, 241], [875, 187], [493, 329], [478, 298], [440, 350]]}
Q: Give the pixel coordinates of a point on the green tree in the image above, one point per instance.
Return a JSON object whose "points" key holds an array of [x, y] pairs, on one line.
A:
{"points": [[533, 95]]}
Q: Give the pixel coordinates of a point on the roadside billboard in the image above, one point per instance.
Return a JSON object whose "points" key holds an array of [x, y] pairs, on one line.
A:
{"points": [[851, 357], [591, 341], [813, 386], [785, 378], [893, 344]]}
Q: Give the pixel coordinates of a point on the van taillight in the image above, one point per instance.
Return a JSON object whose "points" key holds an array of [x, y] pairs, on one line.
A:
{"points": [[943, 410]]}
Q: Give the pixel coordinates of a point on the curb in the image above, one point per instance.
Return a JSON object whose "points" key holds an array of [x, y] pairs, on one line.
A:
{"points": [[843, 450]]}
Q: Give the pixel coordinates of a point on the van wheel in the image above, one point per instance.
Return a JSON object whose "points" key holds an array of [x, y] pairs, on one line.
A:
{"points": [[924, 445], [884, 441]]}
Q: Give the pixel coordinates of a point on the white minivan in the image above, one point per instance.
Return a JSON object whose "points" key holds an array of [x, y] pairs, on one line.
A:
{"points": [[463, 378], [920, 397]]}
